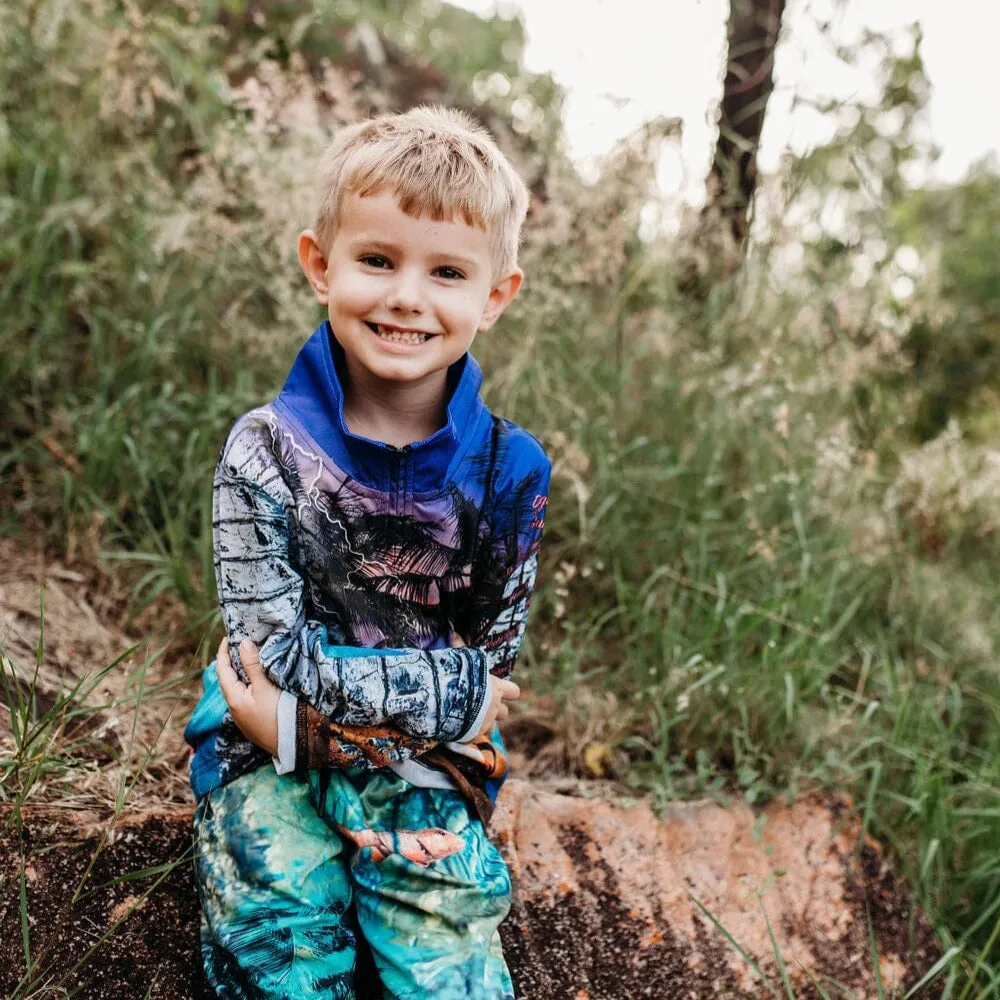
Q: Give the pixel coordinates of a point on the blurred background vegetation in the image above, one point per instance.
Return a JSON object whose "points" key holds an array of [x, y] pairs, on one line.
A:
{"points": [[771, 551]]}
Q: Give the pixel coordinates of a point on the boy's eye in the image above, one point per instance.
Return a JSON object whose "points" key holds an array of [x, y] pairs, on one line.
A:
{"points": [[450, 273], [375, 260]]}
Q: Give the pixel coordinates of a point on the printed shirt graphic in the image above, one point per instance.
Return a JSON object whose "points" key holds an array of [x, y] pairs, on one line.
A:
{"points": [[351, 563]]}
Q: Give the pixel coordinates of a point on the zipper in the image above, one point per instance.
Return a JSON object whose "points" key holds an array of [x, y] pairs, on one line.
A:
{"points": [[397, 487]]}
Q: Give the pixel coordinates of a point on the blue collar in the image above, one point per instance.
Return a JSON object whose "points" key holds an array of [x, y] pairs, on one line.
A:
{"points": [[314, 398]]}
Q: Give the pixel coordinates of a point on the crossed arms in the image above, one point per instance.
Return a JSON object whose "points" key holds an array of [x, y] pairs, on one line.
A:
{"points": [[356, 707]]}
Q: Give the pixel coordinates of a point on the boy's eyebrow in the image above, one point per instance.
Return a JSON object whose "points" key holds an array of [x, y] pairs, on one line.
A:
{"points": [[457, 258], [370, 243]]}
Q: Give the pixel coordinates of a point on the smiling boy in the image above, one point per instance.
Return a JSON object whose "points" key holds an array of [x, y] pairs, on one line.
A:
{"points": [[376, 535]]}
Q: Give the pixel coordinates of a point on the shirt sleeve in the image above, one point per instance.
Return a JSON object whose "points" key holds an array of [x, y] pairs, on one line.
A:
{"points": [[506, 567], [431, 695]]}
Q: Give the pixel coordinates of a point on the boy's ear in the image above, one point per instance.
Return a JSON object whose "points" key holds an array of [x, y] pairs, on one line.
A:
{"points": [[501, 296], [314, 265]]}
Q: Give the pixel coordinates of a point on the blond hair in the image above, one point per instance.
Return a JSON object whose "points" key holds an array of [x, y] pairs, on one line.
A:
{"points": [[438, 162]]}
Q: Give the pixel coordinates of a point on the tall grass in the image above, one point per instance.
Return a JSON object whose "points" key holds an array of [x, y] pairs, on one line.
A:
{"points": [[736, 592]]}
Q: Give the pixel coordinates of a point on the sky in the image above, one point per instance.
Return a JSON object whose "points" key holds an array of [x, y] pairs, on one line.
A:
{"points": [[623, 62]]}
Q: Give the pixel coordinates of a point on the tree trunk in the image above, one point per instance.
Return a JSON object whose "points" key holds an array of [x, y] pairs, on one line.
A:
{"points": [[753, 35]]}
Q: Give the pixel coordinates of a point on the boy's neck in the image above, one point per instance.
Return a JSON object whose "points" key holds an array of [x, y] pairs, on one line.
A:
{"points": [[396, 413]]}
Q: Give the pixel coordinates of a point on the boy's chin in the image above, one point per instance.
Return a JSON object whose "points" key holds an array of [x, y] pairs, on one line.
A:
{"points": [[412, 367], [405, 370]]}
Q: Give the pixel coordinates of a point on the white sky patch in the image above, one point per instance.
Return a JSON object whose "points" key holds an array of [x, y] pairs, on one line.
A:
{"points": [[624, 62]]}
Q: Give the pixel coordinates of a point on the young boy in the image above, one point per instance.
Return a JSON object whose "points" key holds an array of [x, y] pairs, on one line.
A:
{"points": [[376, 531]]}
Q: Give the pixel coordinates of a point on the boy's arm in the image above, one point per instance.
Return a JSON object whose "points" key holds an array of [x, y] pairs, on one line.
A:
{"points": [[504, 580], [254, 710]]}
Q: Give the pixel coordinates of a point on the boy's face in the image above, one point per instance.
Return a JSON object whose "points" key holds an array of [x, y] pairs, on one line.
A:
{"points": [[406, 296]]}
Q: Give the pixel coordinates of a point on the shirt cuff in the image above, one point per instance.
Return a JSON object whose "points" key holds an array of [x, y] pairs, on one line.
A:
{"points": [[284, 763], [477, 723]]}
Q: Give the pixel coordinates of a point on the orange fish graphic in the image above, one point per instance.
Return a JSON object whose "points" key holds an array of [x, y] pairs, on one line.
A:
{"points": [[419, 846]]}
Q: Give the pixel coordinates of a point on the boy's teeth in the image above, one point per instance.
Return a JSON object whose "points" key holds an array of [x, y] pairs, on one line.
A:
{"points": [[400, 337]]}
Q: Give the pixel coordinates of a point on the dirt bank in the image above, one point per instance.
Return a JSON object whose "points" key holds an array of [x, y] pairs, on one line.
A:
{"points": [[605, 906]]}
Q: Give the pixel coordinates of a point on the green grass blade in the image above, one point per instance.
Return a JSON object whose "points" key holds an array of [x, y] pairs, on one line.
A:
{"points": [[934, 971], [873, 952], [984, 952], [777, 953], [743, 953], [23, 900]]}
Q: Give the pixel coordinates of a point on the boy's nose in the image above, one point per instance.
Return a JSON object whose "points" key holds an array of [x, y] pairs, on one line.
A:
{"points": [[404, 294]]}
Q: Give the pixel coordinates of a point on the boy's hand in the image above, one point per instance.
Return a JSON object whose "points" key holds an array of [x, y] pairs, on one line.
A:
{"points": [[499, 694], [254, 706]]}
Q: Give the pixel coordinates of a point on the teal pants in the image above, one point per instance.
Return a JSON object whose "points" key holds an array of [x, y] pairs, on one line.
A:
{"points": [[297, 877]]}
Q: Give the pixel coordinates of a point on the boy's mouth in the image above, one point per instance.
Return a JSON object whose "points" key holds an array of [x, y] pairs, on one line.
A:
{"points": [[396, 335]]}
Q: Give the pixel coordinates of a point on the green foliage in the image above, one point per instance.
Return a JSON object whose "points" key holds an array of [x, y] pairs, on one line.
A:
{"points": [[875, 141], [111, 343], [948, 365], [469, 57], [953, 342]]}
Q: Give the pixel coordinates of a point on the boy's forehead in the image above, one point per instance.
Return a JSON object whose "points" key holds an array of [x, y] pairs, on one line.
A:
{"points": [[380, 217]]}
